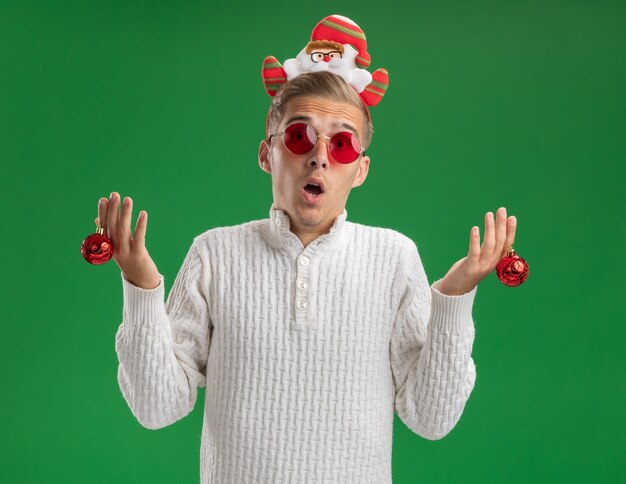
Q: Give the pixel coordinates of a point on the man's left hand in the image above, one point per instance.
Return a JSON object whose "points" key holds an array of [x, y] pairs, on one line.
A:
{"points": [[480, 261]]}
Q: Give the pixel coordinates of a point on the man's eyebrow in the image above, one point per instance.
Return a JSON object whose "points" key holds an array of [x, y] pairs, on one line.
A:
{"points": [[298, 118], [337, 124], [347, 126]]}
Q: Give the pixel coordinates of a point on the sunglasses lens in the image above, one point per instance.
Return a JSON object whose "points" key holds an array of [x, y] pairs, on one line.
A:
{"points": [[345, 147], [300, 138]]}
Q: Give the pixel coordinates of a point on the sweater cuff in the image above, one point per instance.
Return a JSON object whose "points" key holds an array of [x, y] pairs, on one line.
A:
{"points": [[141, 305], [451, 311]]}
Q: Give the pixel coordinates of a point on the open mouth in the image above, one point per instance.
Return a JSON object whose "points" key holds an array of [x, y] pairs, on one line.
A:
{"points": [[313, 189]]}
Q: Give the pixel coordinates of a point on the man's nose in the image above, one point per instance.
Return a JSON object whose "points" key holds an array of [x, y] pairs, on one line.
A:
{"points": [[319, 154], [326, 58]]}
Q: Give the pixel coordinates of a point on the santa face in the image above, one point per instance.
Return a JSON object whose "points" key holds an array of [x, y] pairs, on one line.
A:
{"points": [[319, 60], [331, 60]]}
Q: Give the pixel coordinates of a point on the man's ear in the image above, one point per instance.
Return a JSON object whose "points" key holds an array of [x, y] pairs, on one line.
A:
{"points": [[362, 172], [264, 156]]}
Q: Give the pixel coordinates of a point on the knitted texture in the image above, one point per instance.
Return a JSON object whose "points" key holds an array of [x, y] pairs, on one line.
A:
{"points": [[305, 352]]}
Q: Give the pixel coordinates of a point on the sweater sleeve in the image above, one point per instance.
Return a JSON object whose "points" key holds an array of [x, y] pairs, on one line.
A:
{"points": [[162, 348], [430, 353]]}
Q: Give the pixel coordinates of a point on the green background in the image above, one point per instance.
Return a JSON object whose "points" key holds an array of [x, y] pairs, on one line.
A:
{"points": [[515, 104]]}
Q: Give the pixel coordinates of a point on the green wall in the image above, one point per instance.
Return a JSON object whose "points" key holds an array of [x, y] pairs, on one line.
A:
{"points": [[515, 104]]}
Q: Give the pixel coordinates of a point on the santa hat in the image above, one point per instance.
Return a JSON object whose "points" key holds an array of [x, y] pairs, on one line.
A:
{"points": [[342, 30]]}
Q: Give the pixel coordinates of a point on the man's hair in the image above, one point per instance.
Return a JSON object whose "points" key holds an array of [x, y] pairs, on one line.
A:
{"points": [[317, 84]]}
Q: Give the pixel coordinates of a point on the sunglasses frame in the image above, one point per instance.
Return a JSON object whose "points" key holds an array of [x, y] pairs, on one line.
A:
{"points": [[281, 133]]}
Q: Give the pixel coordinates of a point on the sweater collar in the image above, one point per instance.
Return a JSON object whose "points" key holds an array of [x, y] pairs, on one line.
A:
{"points": [[278, 231]]}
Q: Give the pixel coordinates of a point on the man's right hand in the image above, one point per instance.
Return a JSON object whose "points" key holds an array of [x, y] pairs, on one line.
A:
{"points": [[129, 252]]}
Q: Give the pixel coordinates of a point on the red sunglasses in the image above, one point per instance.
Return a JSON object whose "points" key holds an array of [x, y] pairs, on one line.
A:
{"points": [[301, 138]]}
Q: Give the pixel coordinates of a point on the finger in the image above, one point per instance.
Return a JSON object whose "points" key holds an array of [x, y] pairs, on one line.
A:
{"points": [[500, 230], [511, 226], [113, 215], [123, 230], [490, 237], [139, 238], [474, 246], [103, 205]]}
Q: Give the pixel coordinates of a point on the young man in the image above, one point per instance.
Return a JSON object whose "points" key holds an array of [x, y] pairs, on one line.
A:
{"points": [[307, 330]]}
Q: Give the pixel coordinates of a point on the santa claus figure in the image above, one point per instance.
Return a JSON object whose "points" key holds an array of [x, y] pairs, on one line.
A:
{"points": [[337, 45]]}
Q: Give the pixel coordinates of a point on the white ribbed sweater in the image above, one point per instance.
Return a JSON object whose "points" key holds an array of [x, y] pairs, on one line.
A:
{"points": [[305, 352]]}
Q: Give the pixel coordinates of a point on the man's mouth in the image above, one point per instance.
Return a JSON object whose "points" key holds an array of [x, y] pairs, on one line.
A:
{"points": [[313, 189]]}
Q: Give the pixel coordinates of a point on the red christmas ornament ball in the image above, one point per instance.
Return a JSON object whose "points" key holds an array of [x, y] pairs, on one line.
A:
{"points": [[97, 249], [512, 270]]}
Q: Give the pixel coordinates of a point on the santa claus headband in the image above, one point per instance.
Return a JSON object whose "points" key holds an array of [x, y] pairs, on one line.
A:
{"points": [[337, 45]]}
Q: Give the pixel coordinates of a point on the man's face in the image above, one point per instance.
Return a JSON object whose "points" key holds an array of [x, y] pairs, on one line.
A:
{"points": [[309, 212]]}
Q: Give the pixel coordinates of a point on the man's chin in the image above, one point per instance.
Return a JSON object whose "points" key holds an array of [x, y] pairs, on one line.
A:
{"points": [[309, 216]]}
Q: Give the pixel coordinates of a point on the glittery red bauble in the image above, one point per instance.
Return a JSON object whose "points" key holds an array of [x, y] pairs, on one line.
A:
{"points": [[512, 270], [97, 249]]}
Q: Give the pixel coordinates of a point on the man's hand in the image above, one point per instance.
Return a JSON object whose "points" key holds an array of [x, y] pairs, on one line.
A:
{"points": [[129, 252], [480, 261]]}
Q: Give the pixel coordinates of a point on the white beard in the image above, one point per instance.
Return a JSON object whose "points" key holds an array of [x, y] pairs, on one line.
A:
{"points": [[320, 66]]}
